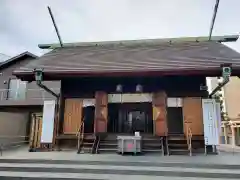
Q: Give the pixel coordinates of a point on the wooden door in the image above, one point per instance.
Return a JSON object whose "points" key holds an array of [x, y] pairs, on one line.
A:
{"points": [[101, 112], [36, 131], [160, 114], [72, 116], [192, 115]]}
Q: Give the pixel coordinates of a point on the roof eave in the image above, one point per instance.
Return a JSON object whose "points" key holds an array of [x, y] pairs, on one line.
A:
{"points": [[17, 57], [227, 38], [209, 72]]}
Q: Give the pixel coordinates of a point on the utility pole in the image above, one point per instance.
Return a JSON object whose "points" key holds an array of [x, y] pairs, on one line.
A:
{"points": [[213, 18]]}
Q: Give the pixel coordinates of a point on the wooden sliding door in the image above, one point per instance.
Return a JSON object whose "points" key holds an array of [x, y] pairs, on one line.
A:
{"points": [[192, 114], [72, 116]]}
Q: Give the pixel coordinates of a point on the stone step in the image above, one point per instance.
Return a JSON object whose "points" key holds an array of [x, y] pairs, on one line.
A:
{"points": [[116, 170]]}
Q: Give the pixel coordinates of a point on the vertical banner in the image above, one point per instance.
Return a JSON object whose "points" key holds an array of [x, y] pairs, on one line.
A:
{"points": [[211, 122], [48, 121], [219, 120]]}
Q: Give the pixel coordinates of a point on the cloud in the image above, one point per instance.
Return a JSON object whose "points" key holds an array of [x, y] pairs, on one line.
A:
{"points": [[26, 23]]}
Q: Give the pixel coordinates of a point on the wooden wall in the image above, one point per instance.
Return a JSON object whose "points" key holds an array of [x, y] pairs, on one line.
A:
{"points": [[171, 86], [192, 115]]}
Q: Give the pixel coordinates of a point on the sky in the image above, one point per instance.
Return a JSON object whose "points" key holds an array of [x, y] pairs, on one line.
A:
{"points": [[25, 24]]}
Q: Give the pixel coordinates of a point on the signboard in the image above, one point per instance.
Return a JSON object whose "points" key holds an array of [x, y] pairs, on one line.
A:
{"points": [[129, 98], [211, 121], [219, 120], [48, 121]]}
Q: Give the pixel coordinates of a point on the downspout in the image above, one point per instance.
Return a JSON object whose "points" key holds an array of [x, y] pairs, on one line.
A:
{"points": [[226, 73], [39, 83], [38, 78]]}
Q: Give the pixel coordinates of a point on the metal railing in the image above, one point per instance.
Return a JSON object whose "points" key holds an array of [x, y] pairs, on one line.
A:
{"points": [[11, 143], [28, 94]]}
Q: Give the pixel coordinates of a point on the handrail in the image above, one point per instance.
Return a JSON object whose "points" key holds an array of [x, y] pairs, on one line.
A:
{"points": [[4, 146], [95, 144], [189, 140], [162, 146], [80, 135], [98, 142]]}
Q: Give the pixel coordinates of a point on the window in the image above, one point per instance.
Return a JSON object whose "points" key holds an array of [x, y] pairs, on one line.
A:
{"points": [[17, 89]]}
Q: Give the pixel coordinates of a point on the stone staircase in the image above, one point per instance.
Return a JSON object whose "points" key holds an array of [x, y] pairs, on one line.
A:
{"points": [[108, 144], [177, 144], [152, 144], [111, 167], [88, 142]]}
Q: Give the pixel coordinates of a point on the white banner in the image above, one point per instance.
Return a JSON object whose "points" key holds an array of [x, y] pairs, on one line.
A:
{"points": [[210, 121], [48, 121]]}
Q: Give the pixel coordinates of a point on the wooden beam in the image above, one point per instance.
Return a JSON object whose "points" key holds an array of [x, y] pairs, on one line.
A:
{"points": [[227, 38], [55, 26]]}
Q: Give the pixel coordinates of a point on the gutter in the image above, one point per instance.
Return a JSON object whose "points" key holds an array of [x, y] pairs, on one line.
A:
{"points": [[219, 87], [39, 83]]}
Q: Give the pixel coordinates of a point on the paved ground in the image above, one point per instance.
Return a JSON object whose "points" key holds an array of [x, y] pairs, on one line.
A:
{"points": [[69, 165]]}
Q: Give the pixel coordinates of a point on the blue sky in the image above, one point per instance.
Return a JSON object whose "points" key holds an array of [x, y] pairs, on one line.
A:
{"points": [[26, 23]]}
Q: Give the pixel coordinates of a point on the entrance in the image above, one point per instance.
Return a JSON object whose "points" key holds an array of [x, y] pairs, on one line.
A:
{"points": [[88, 118], [130, 117], [175, 120]]}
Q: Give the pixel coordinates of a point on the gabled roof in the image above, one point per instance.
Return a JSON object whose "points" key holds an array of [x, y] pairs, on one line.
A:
{"points": [[3, 57], [16, 58], [149, 56]]}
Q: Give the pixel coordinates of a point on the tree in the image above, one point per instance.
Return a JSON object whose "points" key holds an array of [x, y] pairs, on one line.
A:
{"points": [[224, 115]]}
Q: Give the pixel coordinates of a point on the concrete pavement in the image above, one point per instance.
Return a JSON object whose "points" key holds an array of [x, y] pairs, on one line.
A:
{"points": [[69, 165]]}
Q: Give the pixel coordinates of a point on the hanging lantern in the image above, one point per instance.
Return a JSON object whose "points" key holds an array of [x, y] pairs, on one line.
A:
{"points": [[139, 88], [119, 88]]}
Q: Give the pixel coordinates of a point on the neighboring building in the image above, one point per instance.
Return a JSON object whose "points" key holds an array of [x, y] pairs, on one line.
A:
{"points": [[3, 57], [18, 99], [148, 86], [230, 95]]}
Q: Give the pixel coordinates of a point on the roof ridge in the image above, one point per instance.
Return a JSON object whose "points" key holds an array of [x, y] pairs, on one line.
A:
{"points": [[227, 38]]}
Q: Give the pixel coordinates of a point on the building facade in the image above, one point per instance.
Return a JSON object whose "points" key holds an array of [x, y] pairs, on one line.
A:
{"points": [[19, 99], [149, 86]]}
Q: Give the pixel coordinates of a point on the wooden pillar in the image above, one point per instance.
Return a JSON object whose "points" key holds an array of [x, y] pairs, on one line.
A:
{"points": [[159, 104], [225, 133], [56, 122], [101, 112], [233, 135], [192, 115]]}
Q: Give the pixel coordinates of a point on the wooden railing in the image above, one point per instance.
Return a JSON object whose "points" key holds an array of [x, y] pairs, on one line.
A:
{"points": [[80, 136], [189, 140]]}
